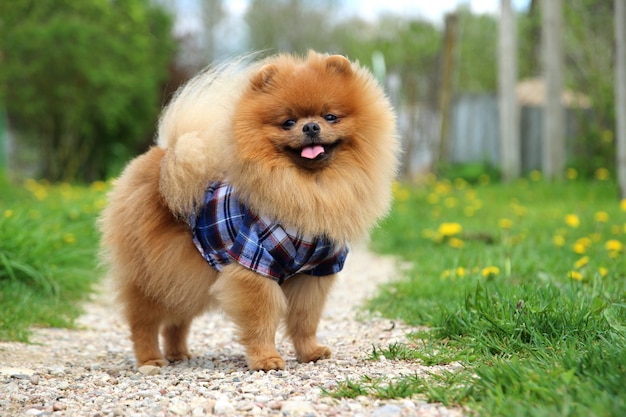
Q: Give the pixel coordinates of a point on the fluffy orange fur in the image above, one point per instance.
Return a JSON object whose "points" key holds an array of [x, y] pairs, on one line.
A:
{"points": [[245, 123]]}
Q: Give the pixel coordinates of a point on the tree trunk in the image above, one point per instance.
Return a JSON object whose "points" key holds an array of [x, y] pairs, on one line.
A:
{"points": [[445, 99], [510, 148], [553, 152], [620, 93]]}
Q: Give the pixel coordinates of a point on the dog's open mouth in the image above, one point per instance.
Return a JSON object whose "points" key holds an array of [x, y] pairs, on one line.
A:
{"points": [[312, 152], [313, 155]]}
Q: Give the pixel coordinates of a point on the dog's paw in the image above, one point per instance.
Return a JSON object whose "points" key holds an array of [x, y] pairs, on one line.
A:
{"points": [[178, 356], [266, 364], [314, 355], [153, 362]]}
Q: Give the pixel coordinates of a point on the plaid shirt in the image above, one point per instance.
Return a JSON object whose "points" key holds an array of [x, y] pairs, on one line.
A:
{"points": [[224, 230]]}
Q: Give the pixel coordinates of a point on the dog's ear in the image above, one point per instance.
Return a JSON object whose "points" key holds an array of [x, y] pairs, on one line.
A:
{"points": [[339, 64], [264, 76]]}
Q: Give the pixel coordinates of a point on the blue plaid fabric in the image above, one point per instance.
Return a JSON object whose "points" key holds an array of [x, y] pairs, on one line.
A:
{"points": [[224, 230]]}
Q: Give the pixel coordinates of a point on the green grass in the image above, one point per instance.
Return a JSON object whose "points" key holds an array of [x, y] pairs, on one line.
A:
{"points": [[47, 254], [523, 285]]}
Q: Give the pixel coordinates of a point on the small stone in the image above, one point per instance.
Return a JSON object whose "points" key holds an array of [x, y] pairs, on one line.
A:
{"points": [[149, 370], [15, 372], [275, 405], [58, 406], [197, 412], [34, 379], [33, 412], [180, 409], [387, 410], [223, 407], [63, 385], [245, 407], [57, 371], [297, 408]]}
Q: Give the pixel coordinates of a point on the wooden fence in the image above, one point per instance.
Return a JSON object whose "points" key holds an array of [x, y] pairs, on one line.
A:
{"points": [[474, 134]]}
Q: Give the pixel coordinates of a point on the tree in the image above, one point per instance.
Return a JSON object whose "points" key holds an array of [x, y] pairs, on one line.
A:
{"points": [[477, 45], [510, 149], [553, 155], [290, 25], [81, 79], [588, 68], [620, 93]]}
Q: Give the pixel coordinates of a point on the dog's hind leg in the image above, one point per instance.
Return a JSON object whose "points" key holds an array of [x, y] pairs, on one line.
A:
{"points": [[256, 304], [306, 297], [145, 319]]}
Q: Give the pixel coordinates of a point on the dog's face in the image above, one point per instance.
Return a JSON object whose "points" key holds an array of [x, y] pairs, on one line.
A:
{"points": [[310, 115]]}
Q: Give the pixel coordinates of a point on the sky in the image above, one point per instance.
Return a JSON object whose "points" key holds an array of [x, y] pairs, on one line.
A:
{"points": [[433, 10], [233, 30]]}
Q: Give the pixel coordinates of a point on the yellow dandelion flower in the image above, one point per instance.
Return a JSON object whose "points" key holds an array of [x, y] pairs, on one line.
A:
{"points": [[449, 229], [582, 245], [519, 210], [622, 204], [402, 195], [505, 224], [460, 183], [450, 202], [69, 238], [99, 204], [579, 248], [484, 179], [558, 240], [490, 271], [603, 271], [571, 174], [535, 175], [581, 262], [602, 174], [613, 245], [432, 198], [602, 217], [470, 195], [8, 214], [575, 275], [445, 274], [443, 187], [572, 220], [456, 243], [460, 272]]}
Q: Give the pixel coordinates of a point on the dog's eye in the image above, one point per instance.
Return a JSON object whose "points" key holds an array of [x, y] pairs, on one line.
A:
{"points": [[288, 124], [331, 118]]}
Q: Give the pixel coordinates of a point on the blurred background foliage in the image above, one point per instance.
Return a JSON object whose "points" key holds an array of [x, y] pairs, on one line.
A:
{"points": [[82, 81]]}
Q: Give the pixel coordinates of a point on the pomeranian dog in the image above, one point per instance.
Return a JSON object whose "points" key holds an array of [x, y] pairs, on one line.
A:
{"points": [[262, 174]]}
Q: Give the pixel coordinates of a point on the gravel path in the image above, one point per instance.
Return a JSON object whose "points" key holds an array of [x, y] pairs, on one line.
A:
{"points": [[91, 371]]}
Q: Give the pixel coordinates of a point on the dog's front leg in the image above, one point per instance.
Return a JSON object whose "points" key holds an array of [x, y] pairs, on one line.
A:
{"points": [[306, 297], [256, 304]]}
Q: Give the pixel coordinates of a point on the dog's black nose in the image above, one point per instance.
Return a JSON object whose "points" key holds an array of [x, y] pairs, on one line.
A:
{"points": [[311, 129]]}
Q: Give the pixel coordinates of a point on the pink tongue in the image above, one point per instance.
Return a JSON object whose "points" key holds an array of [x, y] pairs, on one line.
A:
{"points": [[312, 152]]}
